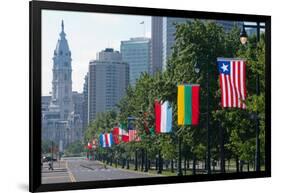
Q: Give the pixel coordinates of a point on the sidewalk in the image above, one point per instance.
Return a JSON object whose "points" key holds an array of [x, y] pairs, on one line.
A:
{"points": [[59, 166]]}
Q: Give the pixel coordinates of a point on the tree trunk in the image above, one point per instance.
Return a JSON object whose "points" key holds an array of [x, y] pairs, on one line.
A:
{"points": [[194, 165], [172, 166], [237, 164]]}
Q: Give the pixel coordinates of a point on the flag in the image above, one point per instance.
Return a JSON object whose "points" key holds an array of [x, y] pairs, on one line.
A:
{"points": [[188, 104], [102, 140], [133, 135], [163, 117], [109, 139], [152, 131], [123, 133], [90, 145], [232, 82], [115, 134]]}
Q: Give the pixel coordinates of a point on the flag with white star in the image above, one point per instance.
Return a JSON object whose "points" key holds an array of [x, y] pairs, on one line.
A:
{"points": [[232, 82]]}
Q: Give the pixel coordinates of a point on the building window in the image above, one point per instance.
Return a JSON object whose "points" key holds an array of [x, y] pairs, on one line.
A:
{"points": [[65, 76], [65, 63]]}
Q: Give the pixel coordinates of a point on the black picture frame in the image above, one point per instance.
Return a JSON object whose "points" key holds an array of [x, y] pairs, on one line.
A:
{"points": [[36, 7]]}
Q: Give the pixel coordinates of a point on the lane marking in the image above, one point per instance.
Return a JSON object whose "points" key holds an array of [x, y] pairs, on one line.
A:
{"points": [[71, 176]]}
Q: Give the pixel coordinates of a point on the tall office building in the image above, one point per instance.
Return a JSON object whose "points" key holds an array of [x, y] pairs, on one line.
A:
{"points": [[60, 123], [136, 52], [169, 30], [85, 102], [228, 25], [107, 82], [168, 40], [156, 44]]}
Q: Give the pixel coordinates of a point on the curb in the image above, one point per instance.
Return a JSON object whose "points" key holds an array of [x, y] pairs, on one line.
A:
{"points": [[136, 172]]}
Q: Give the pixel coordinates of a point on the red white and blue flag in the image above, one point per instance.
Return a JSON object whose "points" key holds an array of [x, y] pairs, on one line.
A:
{"points": [[102, 140], [232, 82], [133, 135], [163, 117], [106, 140]]}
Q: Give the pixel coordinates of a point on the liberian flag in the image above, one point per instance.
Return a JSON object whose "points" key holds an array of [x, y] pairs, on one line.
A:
{"points": [[188, 104], [232, 82], [133, 135], [163, 117]]}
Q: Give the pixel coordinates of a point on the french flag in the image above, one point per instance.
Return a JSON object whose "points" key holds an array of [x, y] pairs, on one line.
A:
{"points": [[163, 117]]}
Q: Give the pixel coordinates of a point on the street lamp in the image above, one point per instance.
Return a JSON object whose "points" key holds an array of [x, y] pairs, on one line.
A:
{"points": [[196, 68], [258, 27], [197, 71], [243, 36]]}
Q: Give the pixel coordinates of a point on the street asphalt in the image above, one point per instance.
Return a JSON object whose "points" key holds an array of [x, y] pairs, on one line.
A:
{"points": [[79, 169]]}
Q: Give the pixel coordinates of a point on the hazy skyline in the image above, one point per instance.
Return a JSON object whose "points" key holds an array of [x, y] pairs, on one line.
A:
{"points": [[87, 34]]}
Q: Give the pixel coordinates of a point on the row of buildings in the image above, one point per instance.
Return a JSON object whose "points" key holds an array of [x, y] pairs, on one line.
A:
{"points": [[66, 114]]}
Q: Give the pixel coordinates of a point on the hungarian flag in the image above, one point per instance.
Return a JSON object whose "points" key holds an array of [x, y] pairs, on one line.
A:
{"points": [[232, 82], [188, 104], [163, 117]]}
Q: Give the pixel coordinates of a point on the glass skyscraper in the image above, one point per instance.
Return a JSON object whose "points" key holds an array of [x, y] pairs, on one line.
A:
{"points": [[169, 30], [137, 53], [168, 40]]}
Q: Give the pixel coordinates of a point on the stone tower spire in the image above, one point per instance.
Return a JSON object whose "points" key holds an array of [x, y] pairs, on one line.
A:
{"points": [[62, 79]]}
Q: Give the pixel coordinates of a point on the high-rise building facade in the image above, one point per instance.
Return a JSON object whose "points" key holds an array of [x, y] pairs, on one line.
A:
{"points": [[156, 44], [61, 123], [85, 102], [168, 40], [107, 82], [169, 30], [137, 53], [228, 25]]}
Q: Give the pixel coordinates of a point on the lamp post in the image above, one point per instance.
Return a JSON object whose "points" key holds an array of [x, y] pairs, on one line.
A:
{"points": [[197, 71], [243, 40], [179, 169]]}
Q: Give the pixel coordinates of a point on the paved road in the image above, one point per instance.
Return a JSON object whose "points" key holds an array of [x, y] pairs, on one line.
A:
{"points": [[77, 170], [58, 175]]}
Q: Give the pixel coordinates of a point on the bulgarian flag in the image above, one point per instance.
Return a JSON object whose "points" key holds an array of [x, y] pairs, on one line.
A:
{"points": [[188, 104], [163, 117]]}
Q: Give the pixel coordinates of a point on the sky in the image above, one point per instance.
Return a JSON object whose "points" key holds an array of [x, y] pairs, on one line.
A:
{"points": [[87, 34]]}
